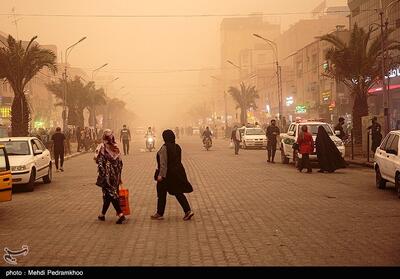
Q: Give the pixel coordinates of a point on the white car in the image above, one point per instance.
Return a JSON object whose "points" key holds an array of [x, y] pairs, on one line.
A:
{"points": [[289, 138], [29, 159], [387, 161], [253, 137]]}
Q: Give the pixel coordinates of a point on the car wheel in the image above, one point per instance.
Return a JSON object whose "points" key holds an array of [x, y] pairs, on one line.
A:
{"points": [[30, 187], [47, 179], [380, 182], [397, 184], [284, 159]]}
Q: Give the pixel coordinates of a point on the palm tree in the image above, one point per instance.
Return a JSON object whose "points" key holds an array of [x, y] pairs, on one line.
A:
{"points": [[77, 98], [18, 65], [245, 98], [357, 64], [96, 97]]}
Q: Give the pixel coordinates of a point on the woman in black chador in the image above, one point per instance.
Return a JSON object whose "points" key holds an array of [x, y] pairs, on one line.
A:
{"points": [[171, 177], [329, 157]]}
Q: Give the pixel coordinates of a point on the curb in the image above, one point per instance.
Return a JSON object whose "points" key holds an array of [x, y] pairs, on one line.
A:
{"points": [[363, 164], [76, 154]]}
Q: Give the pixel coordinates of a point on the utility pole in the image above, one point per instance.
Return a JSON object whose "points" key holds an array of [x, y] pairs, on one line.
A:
{"points": [[384, 86]]}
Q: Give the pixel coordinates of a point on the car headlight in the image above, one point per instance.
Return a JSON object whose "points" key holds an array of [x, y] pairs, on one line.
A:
{"points": [[19, 168], [150, 140]]}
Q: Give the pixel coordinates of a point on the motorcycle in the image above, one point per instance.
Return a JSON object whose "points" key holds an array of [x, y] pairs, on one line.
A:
{"points": [[150, 143], [207, 143]]}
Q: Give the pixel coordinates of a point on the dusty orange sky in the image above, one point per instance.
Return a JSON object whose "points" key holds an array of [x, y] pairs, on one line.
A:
{"points": [[134, 45]]}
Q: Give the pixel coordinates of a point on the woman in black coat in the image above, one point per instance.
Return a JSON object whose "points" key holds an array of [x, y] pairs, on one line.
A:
{"points": [[171, 177], [329, 157]]}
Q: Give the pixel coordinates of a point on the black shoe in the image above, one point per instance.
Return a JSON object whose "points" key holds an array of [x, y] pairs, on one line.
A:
{"points": [[188, 215], [101, 218], [121, 219], [268, 161]]}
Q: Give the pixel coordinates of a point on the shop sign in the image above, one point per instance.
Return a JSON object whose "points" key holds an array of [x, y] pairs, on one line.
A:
{"points": [[301, 109], [289, 101], [325, 96]]}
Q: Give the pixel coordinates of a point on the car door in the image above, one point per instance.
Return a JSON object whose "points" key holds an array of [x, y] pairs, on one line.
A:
{"points": [[383, 157], [38, 158], [289, 139], [46, 153], [392, 153], [5, 176]]}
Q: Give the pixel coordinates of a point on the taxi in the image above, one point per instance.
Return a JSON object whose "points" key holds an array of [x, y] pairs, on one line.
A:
{"points": [[5, 176]]}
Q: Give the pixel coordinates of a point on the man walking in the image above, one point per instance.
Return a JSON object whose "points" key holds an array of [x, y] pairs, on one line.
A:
{"points": [[58, 140], [272, 134], [339, 127], [125, 138], [235, 137], [376, 135]]}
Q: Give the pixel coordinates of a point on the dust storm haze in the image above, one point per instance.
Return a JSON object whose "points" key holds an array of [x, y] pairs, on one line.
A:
{"points": [[161, 51]]}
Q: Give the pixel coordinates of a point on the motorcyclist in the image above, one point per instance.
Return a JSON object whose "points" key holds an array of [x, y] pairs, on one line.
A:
{"points": [[149, 134], [207, 134]]}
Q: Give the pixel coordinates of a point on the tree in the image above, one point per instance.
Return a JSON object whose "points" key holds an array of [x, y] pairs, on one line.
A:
{"points": [[18, 65], [357, 64], [245, 98], [95, 97], [77, 98]]}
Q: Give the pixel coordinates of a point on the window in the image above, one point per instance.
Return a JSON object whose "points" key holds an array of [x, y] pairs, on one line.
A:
{"points": [[40, 145], [35, 147], [16, 148], [3, 162], [386, 144], [394, 146]]}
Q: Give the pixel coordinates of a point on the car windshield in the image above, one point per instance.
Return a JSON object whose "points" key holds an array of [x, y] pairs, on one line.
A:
{"points": [[253, 132], [15, 148], [313, 129]]}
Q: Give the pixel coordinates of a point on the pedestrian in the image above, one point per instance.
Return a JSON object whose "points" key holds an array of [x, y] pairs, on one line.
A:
{"points": [[109, 167], [306, 147], [329, 156], [171, 177], [272, 134], [78, 138], [376, 136], [235, 137], [125, 138], [177, 132], [58, 140], [339, 127]]}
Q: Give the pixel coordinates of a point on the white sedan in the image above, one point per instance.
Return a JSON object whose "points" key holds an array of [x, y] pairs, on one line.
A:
{"points": [[254, 137], [29, 159]]}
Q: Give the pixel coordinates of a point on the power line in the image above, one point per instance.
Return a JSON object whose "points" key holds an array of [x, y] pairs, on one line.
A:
{"points": [[175, 15]]}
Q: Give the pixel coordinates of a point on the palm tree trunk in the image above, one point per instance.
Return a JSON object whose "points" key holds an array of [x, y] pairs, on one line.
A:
{"points": [[360, 109], [20, 116], [243, 115]]}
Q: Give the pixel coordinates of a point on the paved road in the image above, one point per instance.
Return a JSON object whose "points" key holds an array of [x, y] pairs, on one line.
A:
{"points": [[246, 213]]}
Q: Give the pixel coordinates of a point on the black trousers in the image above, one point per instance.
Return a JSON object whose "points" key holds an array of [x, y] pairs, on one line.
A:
{"points": [[305, 162], [162, 199], [107, 199], [125, 144], [59, 155], [271, 147], [236, 146]]}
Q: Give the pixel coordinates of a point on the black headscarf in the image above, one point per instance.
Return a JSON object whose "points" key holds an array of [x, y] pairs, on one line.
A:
{"points": [[169, 139], [329, 156]]}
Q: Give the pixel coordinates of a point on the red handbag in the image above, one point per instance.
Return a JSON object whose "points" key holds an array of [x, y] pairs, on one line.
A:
{"points": [[124, 200]]}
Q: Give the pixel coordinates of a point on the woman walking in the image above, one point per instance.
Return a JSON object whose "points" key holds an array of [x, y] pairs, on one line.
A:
{"points": [[329, 156], [171, 177], [306, 147], [109, 174]]}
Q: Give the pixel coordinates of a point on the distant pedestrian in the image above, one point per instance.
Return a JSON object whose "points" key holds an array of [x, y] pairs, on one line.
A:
{"points": [[107, 157], [329, 156], [306, 147], [272, 134], [58, 140], [171, 177], [235, 137], [339, 127], [125, 138], [376, 136]]}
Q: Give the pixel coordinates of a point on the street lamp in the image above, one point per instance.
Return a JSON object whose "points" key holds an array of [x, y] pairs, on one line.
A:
{"points": [[97, 69], [274, 47], [225, 103], [67, 52]]}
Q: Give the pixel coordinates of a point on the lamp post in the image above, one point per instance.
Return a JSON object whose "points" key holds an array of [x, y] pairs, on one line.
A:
{"points": [[94, 107], [274, 47], [225, 105], [65, 76], [97, 69]]}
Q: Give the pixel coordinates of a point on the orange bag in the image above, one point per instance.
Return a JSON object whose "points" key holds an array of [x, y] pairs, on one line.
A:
{"points": [[124, 200]]}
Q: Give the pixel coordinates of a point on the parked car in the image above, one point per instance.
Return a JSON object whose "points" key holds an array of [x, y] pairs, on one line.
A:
{"points": [[290, 137], [387, 162], [29, 160], [5, 176], [253, 137]]}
